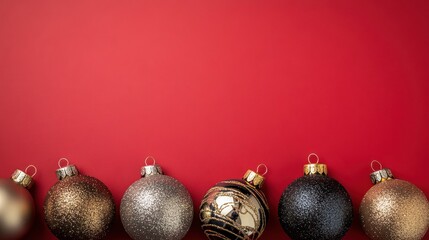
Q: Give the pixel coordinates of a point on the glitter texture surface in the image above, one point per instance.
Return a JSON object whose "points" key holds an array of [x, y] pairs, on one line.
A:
{"points": [[234, 210], [156, 207], [79, 208], [315, 207], [395, 209]]}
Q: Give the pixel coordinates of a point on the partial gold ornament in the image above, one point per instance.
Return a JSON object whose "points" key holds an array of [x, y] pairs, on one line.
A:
{"points": [[16, 204], [78, 207], [393, 209]]}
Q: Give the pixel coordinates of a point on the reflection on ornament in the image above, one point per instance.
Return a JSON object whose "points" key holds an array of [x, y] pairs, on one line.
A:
{"points": [[315, 206], [78, 207], [393, 208], [156, 206], [235, 209], [16, 204]]}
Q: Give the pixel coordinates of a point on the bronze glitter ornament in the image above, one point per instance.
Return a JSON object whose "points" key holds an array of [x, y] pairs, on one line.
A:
{"points": [[16, 204], [78, 207], [393, 208], [156, 206], [235, 209], [315, 206]]}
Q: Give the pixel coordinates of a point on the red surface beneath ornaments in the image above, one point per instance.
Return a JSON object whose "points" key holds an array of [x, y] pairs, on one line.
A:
{"points": [[213, 88]]}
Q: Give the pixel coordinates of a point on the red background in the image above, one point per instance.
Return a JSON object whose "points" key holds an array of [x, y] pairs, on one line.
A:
{"points": [[213, 88]]}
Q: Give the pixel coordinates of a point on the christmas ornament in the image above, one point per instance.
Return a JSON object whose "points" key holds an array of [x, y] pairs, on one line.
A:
{"points": [[315, 206], [16, 204], [393, 208], [235, 209], [156, 206], [78, 207]]}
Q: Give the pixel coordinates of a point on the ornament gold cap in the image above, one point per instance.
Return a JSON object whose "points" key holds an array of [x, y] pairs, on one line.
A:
{"points": [[381, 175], [151, 168], [66, 171], [254, 178], [315, 168], [24, 179]]}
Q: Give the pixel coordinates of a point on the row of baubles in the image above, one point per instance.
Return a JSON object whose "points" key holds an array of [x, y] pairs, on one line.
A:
{"points": [[157, 207]]}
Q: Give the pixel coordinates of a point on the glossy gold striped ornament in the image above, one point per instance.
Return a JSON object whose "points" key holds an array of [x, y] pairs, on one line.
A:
{"points": [[235, 209]]}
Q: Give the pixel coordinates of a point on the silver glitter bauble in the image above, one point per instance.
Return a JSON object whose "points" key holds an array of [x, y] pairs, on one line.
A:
{"points": [[16, 206], [78, 207], [156, 207], [235, 209], [394, 209]]}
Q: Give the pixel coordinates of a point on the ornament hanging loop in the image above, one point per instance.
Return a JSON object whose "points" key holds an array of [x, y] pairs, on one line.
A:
{"points": [[62, 160], [315, 167], [312, 155], [372, 165], [150, 168], [33, 167], [263, 166], [149, 158]]}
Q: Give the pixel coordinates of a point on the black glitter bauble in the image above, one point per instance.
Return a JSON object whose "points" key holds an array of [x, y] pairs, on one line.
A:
{"points": [[315, 207]]}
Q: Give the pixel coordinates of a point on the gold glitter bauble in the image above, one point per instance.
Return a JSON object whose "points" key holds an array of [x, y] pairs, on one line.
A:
{"points": [[394, 209], [16, 206], [235, 209], [78, 207]]}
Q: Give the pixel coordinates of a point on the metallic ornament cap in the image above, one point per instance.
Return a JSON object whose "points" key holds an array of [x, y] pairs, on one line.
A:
{"points": [[254, 179], [151, 170], [67, 171], [315, 168], [381, 176], [22, 179]]}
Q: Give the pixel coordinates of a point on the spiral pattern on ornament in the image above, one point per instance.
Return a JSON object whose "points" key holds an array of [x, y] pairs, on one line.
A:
{"points": [[234, 210]]}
